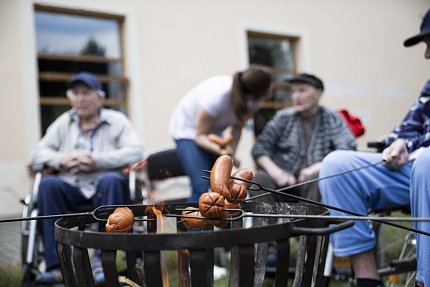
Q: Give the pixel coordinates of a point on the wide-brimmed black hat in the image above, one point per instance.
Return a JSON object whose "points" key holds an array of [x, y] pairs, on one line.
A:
{"points": [[424, 32]]}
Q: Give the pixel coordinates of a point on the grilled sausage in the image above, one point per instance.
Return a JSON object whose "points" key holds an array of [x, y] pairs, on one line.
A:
{"points": [[220, 223], [211, 204], [193, 222], [229, 205], [238, 188], [121, 220], [220, 175], [222, 142]]}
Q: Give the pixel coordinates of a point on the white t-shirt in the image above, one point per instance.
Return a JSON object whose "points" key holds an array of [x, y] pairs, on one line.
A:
{"points": [[213, 95]]}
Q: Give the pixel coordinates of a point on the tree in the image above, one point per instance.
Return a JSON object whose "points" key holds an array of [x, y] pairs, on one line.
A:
{"points": [[93, 48]]}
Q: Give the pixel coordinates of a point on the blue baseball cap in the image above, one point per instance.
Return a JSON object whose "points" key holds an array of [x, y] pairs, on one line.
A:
{"points": [[424, 31], [86, 78]]}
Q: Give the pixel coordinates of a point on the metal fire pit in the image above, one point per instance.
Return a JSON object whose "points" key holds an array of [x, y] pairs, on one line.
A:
{"points": [[196, 248]]}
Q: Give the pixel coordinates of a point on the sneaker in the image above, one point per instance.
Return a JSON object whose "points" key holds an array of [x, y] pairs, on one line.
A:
{"points": [[271, 259], [219, 272], [98, 275], [49, 278]]}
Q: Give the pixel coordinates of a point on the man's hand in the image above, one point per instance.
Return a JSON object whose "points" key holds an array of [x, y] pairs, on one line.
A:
{"points": [[78, 162], [309, 172], [86, 163], [281, 177], [396, 155], [70, 163]]}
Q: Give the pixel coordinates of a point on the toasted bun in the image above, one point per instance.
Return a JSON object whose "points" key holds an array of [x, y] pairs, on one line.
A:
{"points": [[121, 220]]}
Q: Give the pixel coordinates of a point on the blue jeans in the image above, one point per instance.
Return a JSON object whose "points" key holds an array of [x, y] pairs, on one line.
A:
{"points": [[194, 160], [57, 197], [374, 188]]}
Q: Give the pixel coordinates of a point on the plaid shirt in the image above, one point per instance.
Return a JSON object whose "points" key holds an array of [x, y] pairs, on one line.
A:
{"points": [[415, 128]]}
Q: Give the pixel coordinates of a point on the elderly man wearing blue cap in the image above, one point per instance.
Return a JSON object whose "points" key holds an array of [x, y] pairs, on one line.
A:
{"points": [[88, 146], [403, 178]]}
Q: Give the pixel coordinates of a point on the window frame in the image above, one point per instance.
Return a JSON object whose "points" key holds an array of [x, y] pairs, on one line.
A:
{"points": [[64, 77], [269, 104]]}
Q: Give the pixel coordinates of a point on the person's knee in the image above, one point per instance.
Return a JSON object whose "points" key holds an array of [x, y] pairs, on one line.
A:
{"points": [[112, 188], [48, 186], [336, 160], [421, 165], [112, 178]]}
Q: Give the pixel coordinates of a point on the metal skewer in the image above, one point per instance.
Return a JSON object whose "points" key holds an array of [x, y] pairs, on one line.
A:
{"points": [[298, 216], [316, 179], [101, 213], [257, 187]]}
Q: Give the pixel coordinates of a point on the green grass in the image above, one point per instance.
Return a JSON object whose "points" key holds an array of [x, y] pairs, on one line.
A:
{"points": [[10, 274]]}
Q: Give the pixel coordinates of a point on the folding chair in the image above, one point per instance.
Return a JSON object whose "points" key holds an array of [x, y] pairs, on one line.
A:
{"points": [[156, 169]]}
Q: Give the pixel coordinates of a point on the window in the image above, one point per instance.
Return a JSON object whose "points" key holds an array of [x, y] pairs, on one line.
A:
{"points": [[277, 53], [70, 41]]}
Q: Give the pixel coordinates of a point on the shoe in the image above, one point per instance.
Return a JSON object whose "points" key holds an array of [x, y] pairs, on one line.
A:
{"points": [[272, 258], [98, 275], [219, 272], [49, 278]]}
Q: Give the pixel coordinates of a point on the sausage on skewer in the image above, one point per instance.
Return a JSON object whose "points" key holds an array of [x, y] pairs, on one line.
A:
{"points": [[220, 175]]}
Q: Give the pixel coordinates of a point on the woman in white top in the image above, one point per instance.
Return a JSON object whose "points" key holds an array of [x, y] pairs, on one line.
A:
{"points": [[214, 105]]}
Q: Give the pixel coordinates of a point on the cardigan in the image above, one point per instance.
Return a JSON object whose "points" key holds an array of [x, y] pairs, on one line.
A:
{"points": [[283, 141]]}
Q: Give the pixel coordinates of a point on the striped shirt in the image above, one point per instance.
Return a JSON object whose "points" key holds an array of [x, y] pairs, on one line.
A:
{"points": [[415, 127]]}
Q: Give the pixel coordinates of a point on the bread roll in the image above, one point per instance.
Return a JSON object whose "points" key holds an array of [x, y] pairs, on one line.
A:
{"points": [[222, 142], [121, 220]]}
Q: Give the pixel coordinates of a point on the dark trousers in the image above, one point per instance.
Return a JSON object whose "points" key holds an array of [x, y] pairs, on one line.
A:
{"points": [[309, 191], [57, 197], [194, 160]]}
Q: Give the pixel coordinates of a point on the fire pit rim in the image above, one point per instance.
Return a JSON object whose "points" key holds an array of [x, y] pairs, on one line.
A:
{"points": [[174, 241]]}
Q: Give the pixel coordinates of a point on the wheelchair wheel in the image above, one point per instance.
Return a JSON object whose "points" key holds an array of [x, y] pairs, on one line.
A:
{"points": [[31, 252], [33, 266], [396, 256]]}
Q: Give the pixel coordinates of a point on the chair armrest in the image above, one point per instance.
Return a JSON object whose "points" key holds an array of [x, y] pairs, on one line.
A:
{"points": [[378, 145]]}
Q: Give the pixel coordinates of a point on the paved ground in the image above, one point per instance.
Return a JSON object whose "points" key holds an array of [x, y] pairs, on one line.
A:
{"points": [[10, 242]]}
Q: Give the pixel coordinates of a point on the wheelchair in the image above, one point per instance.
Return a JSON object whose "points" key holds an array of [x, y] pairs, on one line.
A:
{"points": [[143, 179], [32, 252]]}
